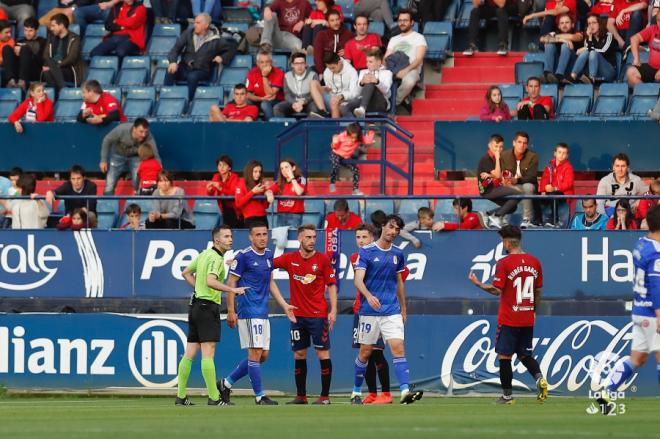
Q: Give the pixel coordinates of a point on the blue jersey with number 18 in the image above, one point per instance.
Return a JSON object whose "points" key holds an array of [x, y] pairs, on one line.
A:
{"points": [[646, 284], [381, 269], [254, 271]]}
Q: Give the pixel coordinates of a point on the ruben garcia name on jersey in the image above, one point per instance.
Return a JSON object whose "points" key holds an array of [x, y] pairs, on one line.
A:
{"points": [[646, 258]]}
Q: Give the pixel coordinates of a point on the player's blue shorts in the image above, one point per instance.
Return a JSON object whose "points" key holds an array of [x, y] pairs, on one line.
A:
{"points": [[514, 340], [310, 330], [380, 344]]}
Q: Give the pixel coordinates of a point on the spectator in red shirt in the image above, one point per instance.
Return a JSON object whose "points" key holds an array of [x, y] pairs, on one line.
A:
{"points": [[535, 106], [603, 7], [99, 107], [5, 39], [469, 220], [224, 183], [355, 49], [126, 23], [289, 182], [317, 22], [36, 108], [237, 110], [330, 40], [341, 217], [645, 204], [647, 72], [553, 9], [252, 184], [149, 169], [557, 179], [626, 19], [495, 109], [283, 24], [265, 83], [623, 218]]}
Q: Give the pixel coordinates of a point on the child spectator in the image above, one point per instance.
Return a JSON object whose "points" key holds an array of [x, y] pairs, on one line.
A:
{"points": [[36, 108], [252, 184], [623, 218], [14, 175], [424, 221], [341, 217], [289, 182], [645, 204], [348, 145], [79, 220], [495, 109], [224, 183], [375, 88], [469, 220], [31, 213], [378, 219], [148, 170], [557, 179], [591, 219], [134, 216]]}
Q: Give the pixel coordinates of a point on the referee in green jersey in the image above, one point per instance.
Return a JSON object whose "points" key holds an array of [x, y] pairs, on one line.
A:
{"points": [[206, 274]]}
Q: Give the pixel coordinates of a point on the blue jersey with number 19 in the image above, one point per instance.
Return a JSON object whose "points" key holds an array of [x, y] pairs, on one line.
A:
{"points": [[646, 285], [381, 269], [254, 271]]}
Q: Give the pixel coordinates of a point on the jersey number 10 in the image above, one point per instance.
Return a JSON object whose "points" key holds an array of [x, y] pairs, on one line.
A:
{"points": [[524, 290]]}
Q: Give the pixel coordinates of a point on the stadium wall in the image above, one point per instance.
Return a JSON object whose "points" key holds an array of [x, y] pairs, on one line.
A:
{"points": [[448, 354], [460, 145]]}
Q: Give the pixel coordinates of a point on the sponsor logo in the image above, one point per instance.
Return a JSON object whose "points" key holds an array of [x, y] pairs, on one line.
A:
{"points": [[485, 263], [306, 279], [28, 260]]}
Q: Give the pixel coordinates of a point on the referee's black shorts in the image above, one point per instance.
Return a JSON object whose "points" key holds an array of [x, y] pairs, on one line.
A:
{"points": [[203, 321]]}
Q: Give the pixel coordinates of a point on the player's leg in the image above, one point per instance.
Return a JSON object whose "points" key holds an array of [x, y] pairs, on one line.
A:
{"points": [[368, 334], [208, 372], [644, 340], [383, 370], [241, 369], [505, 348], [299, 344], [370, 379], [525, 354], [319, 329], [185, 366], [258, 354], [393, 334]]}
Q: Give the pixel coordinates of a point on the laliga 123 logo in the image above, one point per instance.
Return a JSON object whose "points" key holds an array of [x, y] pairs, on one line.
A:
{"points": [[153, 353], [486, 262]]}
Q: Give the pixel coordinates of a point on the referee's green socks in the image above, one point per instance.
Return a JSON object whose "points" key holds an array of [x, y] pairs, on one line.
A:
{"points": [[184, 373], [208, 372]]}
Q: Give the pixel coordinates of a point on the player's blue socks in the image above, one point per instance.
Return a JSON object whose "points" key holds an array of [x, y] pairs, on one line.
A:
{"points": [[254, 370], [360, 369], [658, 367], [238, 373], [402, 372], [623, 370]]}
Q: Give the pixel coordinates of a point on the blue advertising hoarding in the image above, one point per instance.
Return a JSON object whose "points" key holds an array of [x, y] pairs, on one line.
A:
{"points": [[142, 264], [447, 354]]}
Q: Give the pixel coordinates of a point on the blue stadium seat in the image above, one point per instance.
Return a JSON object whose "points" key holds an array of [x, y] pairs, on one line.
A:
{"points": [[9, 100], [439, 42], [158, 78], [576, 100], [103, 69], [452, 11], [206, 213], [95, 30], [371, 206], [114, 91], [377, 27], [463, 16], [611, 100], [347, 8], [134, 71], [551, 90], [68, 105], [163, 38], [50, 92], [281, 61], [93, 36], [534, 57], [44, 6], [172, 102], [146, 206], [408, 209], [204, 98], [230, 76], [353, 206], [107, 212], [314, 212], [511, 94], [74, 28], [481, 204], [526, 70], [139, 102], [242, 60], [443, 208], [236, 26], [643, 99]]}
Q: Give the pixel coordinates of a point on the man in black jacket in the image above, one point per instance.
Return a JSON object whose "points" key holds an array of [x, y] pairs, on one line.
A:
{"points": [[199, 47], [23, 62], [62, 58]]}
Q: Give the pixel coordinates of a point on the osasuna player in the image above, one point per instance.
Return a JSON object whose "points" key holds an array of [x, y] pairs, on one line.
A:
{"points": [[645, 311], [310, 272], [206, 274], [383, 311], [253, 268], [518, 280]]}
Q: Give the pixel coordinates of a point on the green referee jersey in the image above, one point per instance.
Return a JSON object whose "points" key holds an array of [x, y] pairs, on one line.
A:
{"points": [[210, 261]]}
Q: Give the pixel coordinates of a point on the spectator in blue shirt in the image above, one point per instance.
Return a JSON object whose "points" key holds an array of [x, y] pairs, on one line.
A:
{"points": [[590, 219]]}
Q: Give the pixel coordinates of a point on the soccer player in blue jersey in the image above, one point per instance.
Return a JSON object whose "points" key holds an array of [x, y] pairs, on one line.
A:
{"points": [[383, 312], [252, 268], [645, 311]]}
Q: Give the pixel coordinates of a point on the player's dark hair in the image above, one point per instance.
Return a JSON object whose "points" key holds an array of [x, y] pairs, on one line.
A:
{"points": [[378, 218], [396, 219], [425, 211], [365, 226], [77, 169], [304, 227], [257, 224], [462, 203], [218, 229], [510, 232], [521, 134], [653, 218], [623, 157], [341, 205], [225, 159]]}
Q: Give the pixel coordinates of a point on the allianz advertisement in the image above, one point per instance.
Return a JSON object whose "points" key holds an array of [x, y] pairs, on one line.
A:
{"points": [[448, 354], [114, 264]]}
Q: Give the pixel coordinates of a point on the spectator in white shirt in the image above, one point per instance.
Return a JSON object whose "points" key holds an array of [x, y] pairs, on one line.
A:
{"points": [[341, 83], [375, 88], [27, 214]]}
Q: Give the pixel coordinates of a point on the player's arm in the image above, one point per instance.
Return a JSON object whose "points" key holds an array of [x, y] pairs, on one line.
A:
{"points": [[362, 288], [213, 282], [490, 289], [332, 315], [232, 318], [277, 295], [401, 294]]}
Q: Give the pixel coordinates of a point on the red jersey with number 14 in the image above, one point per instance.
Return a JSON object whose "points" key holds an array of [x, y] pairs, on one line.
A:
{"points": [[307, 281], [358, 295], [517, 275]]}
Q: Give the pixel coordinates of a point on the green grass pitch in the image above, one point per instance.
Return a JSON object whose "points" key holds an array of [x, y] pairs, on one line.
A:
{"points": [[157, 417]]}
